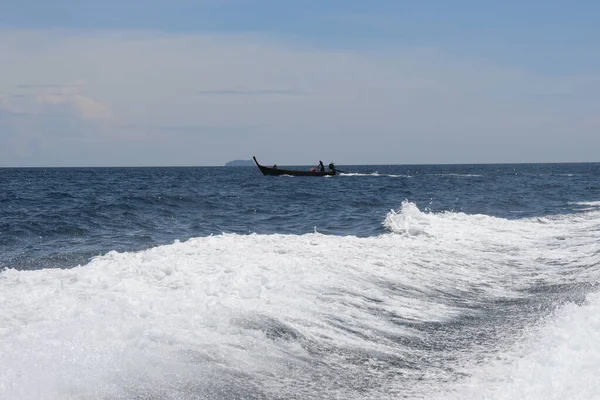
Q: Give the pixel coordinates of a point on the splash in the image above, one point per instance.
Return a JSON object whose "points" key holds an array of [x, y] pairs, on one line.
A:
{"points": [[300, 316], [556, 359], [376, 174]]}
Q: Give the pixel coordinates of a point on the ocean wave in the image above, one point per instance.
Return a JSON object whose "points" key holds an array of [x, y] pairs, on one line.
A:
{"points": [[375, 174], [586, 203], [295, 315], [555, 359]]}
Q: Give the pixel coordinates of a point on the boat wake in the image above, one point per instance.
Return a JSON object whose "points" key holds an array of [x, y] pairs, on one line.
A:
{"points": [[375, 174], [422, 311]]}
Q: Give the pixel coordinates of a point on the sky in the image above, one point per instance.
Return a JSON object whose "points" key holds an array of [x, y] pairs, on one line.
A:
{"points": [[203, 82]]}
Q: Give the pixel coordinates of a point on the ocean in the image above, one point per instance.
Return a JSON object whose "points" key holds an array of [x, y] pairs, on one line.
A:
{"points": [[386, 282]]}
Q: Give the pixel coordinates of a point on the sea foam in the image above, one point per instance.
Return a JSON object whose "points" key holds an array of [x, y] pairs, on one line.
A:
{"points": [[301, 316], [555, 359]]}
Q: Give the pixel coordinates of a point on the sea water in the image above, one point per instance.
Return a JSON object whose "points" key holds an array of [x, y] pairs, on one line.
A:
{"points": [[386, 282]]}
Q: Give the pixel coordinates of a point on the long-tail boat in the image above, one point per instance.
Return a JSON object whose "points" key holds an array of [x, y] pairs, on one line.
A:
{"points": [[274, 170]]}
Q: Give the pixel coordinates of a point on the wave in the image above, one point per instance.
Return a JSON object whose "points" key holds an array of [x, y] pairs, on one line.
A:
{"points": [[552, 358], [404, 175], [294, 316], [555, 359], [586, 203], [548, 248], [465, 175], [375, 174]]}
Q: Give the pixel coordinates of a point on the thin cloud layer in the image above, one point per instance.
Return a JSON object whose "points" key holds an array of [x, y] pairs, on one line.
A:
{"points": [[240, 92], [240, 95], [49, 86]]}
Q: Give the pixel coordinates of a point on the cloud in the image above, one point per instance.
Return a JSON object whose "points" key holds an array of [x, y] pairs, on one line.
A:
{"points": [[49, 86], [48, 117], [86, 107], [69, 97], [239, 92], [132, 98], [8, 106]]}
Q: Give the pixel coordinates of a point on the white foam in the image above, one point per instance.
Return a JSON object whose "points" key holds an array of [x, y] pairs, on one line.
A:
{"points": [[375, 174], [587, 203], [465, 175], [115, 323], [536, 248], [189, 314], [559, 359]]}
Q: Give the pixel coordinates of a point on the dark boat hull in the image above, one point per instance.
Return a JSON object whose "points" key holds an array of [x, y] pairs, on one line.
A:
{"points": [[279, 171]]}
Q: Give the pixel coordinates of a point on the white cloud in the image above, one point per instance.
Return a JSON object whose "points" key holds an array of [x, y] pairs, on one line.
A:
{"points": [[84, 106], [243, 95], [38, 99]]}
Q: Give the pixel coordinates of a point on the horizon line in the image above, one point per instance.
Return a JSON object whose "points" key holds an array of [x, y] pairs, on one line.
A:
{"points": [[295, 165]]}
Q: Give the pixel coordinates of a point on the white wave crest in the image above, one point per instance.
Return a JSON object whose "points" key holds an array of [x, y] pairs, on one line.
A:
{"points": [[187, 313], [559, 359], [587, 203], [544, 245], [233, 314], [375, 174]]}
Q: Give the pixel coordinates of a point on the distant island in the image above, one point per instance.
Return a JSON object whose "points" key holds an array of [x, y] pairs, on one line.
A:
{"points": [[240, 163]]}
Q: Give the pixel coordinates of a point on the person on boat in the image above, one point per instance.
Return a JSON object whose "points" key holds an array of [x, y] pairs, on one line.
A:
{"points": [[275, 166], [332, 166], [321, 166]]}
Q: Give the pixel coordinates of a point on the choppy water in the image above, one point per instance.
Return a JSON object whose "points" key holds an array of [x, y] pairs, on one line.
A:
{"points": [[445, 282]]}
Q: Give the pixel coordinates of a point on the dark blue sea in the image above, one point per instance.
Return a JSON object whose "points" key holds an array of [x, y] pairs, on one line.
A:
{"points": [[385, 282]]}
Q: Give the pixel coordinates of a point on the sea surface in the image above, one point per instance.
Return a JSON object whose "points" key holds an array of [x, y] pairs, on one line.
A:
{"points": [[386, 282]]}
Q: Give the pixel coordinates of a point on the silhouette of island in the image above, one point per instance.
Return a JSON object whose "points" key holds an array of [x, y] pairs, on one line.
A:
{"points": [[240, 163]]}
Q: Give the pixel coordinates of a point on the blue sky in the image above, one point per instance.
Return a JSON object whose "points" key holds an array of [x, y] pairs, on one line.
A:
{"points": [[552, 36], [382, 81]]}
